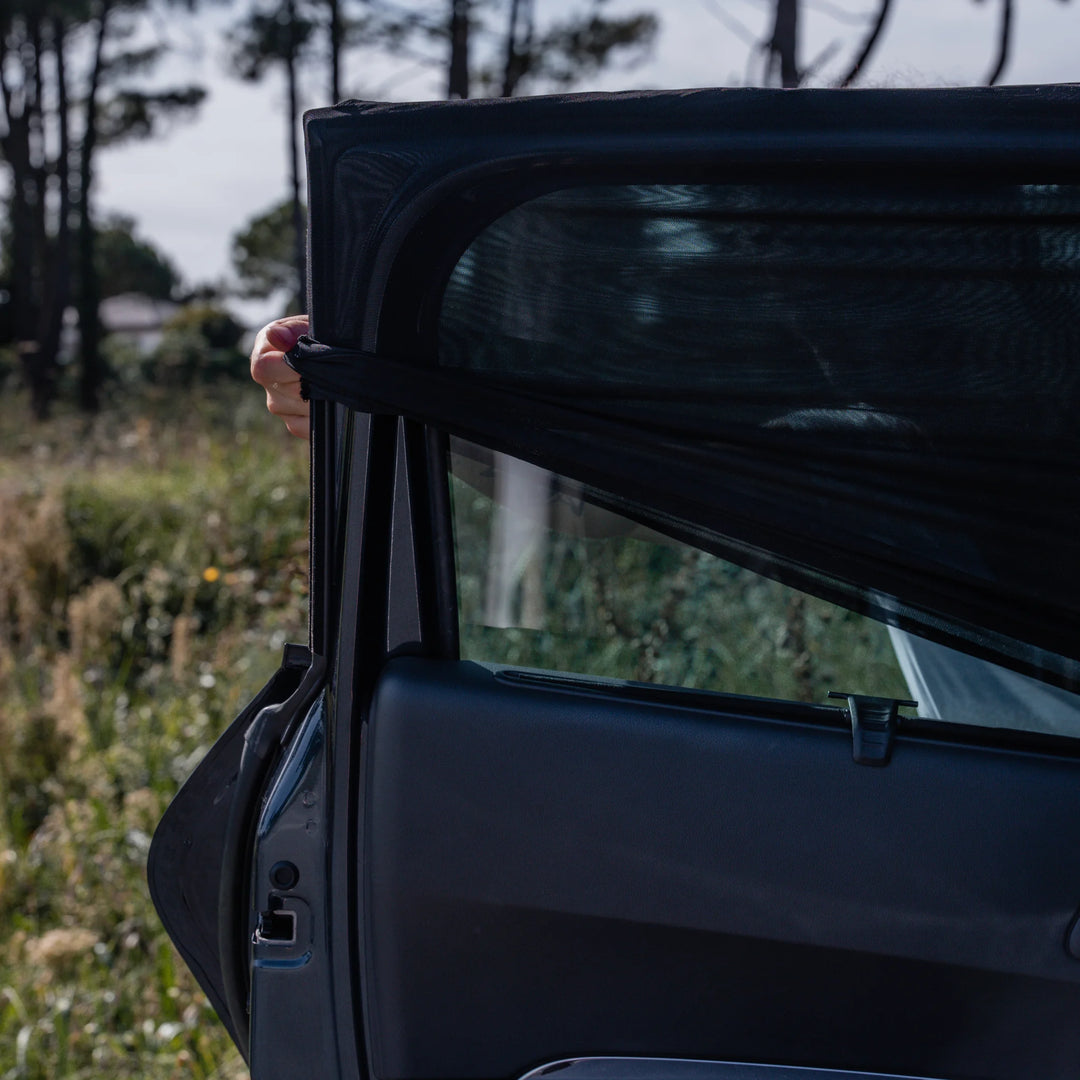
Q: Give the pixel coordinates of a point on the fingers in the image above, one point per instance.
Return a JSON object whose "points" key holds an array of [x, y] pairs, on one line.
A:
{"points": [[269, 370], [271, 343], [300, 426], [284, 333]]}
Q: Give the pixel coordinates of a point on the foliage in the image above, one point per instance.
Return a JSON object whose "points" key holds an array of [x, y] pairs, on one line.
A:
{"points": [[200, 343], [267, 34], [126, 263], [576, 49], [213, 324], [262, 255], [568, 51], [645, 608], [151, 566], [139, 114]]}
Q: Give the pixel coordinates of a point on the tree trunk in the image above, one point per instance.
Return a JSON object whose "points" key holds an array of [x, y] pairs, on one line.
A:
{"points": [[22, 147], [335, 51], [38, 155], [783, 45], [58, 282], [519, 36], [511, 62], [92, 371], [294, 156], [459, 49]]}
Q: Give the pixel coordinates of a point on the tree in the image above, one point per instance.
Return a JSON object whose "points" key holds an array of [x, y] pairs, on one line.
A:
{"points": [[36, 148], [263, 255], [781, 46], [52, 174], [126, 263], [280, 36], [114, 111]]}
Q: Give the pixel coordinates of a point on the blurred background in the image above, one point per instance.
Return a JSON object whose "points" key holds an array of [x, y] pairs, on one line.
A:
{"points": [[153, 535]]}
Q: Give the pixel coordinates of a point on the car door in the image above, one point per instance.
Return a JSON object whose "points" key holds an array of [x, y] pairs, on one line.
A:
{"points": [[641, 423]]}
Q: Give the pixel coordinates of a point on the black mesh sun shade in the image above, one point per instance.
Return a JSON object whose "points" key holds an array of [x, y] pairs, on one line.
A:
{"points": [[864, 380]]}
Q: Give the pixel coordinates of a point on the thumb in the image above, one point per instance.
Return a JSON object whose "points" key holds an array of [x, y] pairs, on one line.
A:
{"points": [[284, 334]]}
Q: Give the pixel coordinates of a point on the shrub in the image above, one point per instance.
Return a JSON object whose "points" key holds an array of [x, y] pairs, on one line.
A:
{"points": [[200, 342]]}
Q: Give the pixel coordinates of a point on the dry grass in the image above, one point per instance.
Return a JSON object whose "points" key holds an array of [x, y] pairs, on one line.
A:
{"points": [[152, 562]]}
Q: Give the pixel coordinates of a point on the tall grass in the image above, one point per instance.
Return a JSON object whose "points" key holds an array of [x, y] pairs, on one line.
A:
{"points": [[152, 563]]}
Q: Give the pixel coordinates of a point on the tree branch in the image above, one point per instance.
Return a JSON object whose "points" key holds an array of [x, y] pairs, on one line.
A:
{"points": [[868, 46], [1004, 37], [733, 24]]}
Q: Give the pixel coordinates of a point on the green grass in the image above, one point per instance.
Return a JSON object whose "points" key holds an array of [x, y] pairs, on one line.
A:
{"points": [[152, 563]]}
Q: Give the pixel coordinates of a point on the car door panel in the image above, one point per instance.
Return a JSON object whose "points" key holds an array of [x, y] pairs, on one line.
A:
{"points": [[551, 873]]}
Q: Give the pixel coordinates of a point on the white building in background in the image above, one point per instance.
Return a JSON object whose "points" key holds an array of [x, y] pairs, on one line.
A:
{"points": [[137, 319]]}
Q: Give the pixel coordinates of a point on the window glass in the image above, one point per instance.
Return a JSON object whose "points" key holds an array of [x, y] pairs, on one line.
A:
{"points": [[867, 390], [549, 579]]}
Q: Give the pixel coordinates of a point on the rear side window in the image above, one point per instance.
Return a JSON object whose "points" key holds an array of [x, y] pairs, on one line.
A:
{"points": [[549, 579], [878, 382], [883, 370]]}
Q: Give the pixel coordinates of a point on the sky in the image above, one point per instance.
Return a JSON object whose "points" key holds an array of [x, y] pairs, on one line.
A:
{"points": [[192, 189]]}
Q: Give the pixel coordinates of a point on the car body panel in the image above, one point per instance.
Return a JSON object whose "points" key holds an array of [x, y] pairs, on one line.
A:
{"points": [[501, 870]]}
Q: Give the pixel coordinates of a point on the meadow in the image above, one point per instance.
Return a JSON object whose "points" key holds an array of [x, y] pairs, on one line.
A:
{"points": [[152, 563]]}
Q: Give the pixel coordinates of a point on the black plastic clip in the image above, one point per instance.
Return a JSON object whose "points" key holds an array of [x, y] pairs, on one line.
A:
{"points": [[873, 725], [295, 657]]}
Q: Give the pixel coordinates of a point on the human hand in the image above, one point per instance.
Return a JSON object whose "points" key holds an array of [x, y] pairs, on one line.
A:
{"points": [[282, 384]]}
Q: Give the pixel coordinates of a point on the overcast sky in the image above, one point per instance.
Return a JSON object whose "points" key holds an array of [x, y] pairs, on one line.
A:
{"points": [[190, 190]]}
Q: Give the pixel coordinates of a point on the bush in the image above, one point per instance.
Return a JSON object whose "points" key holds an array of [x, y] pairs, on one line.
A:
{"points": [[200, 343]]}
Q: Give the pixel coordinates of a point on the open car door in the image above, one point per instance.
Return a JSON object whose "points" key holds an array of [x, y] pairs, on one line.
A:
{"points": [[641, 423]]}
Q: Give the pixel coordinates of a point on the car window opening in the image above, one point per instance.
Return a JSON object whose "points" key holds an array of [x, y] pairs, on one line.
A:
{"points": [[549, 579]]}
